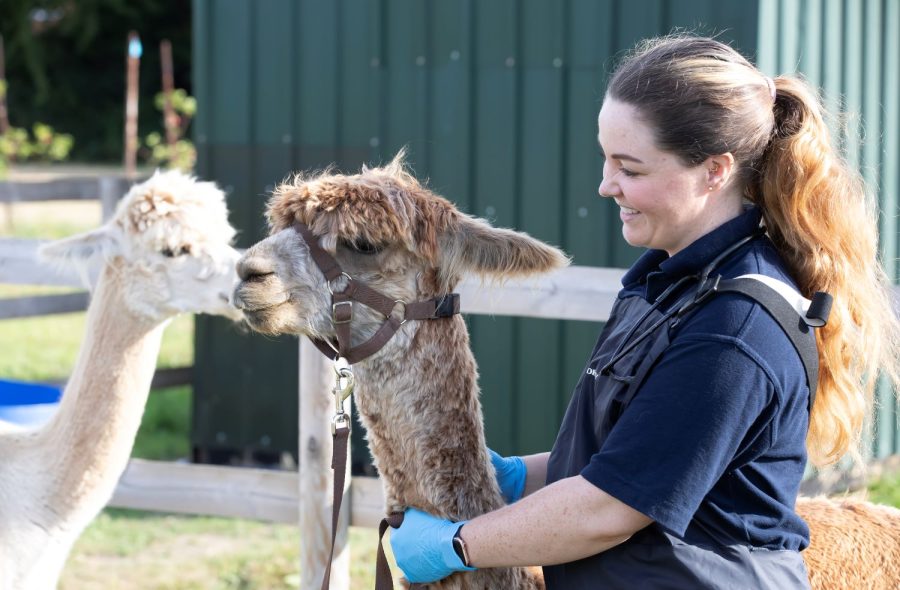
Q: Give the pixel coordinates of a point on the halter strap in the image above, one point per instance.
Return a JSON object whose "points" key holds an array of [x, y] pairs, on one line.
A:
{"points": [[342, 303]]}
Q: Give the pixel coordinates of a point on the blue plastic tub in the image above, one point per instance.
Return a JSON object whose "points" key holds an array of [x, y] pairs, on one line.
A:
{"points": [[27, 404]]}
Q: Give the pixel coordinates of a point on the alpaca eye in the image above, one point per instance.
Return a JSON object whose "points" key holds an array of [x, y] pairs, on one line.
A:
{"points": [[180, 251], [361, 246]]}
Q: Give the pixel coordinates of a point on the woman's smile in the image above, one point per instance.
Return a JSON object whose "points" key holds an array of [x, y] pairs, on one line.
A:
{"points": [[627, 214]]}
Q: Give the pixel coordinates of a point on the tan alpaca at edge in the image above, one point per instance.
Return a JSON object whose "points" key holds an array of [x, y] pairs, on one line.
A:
{"points": [[853, 544], [418, 397], [165, 251]]}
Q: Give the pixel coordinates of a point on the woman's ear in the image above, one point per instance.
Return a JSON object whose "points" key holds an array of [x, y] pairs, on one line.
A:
{"points": [[718, 170]]}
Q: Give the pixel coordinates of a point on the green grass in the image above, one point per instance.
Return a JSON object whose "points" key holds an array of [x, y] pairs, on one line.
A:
{"points": [[49, 220], [165, 427], [886, 490], [48, 231], [126, 549]]}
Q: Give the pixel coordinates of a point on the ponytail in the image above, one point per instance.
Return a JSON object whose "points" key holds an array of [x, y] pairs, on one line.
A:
{"points": [[825, 225]]}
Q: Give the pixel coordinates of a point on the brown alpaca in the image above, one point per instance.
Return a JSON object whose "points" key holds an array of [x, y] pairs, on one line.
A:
{"points": [[854, 544], [418, 396]]}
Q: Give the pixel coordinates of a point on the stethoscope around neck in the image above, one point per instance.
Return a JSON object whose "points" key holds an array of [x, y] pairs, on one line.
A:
{"points": [[706, 286]]}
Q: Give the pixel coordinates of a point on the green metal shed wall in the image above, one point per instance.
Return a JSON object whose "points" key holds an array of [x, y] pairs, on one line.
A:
{"points": [[851, 49], [497, 102]]}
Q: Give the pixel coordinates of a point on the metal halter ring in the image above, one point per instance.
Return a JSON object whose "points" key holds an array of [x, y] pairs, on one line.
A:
{"points": [[328, 283], [339, 421], [403, 310]]}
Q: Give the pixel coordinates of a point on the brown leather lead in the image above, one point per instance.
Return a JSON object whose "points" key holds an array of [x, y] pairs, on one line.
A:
{"points": [[339, 465], [383, 578]]}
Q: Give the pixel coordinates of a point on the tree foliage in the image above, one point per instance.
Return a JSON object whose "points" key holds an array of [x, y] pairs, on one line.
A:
{"points": [[65, 65]]}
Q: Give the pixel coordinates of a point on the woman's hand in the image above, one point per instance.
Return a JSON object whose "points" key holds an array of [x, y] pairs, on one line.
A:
{"points": [[511, 473], [423, 547]]}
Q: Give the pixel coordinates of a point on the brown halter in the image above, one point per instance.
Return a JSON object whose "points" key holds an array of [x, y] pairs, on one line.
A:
{"points": [[342, 313], [358, 292]]}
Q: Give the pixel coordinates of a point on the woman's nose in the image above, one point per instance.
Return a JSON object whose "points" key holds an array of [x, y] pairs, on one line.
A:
{"points": [[607, 189]]}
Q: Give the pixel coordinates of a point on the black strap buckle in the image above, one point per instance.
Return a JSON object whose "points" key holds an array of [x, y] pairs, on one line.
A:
{"points": [[819, 309], [447, 306]]}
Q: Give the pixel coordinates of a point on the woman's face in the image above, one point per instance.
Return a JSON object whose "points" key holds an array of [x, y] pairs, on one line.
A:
{"points": [[663, 204]]}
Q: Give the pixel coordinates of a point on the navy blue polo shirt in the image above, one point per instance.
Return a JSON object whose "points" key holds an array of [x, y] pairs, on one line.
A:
{"points": [[712, 446]]}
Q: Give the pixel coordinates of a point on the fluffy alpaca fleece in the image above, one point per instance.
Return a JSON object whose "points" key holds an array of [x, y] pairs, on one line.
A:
{"points": [[165, 251], [854, 544], [418, 397]]}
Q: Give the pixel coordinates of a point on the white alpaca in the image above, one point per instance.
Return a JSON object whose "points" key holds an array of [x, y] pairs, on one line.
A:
{"points": [[165, 251]]}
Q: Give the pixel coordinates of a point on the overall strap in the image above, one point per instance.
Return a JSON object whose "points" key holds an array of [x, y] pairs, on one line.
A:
{"points": [[795, 315]]}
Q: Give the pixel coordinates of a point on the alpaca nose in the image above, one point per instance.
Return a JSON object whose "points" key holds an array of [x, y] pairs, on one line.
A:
{"points": [[250, 269], [236, 300]]}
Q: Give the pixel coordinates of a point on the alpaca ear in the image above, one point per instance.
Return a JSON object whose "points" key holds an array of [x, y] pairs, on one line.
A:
{"points": [[99, 244], [473, 246]]}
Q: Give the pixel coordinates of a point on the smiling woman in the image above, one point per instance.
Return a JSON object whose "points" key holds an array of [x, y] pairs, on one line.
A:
{"points": [[665, 204]]}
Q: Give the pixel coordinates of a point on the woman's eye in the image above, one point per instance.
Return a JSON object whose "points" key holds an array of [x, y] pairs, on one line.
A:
{"points": [[628, 173], [361, 246]]}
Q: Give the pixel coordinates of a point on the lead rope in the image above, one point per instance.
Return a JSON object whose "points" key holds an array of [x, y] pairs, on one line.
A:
{"points": [[344, 382], [340, 434], [383, 578]]}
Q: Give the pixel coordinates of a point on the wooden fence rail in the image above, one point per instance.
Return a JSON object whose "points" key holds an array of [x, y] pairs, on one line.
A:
{"points": [[108, 189]]}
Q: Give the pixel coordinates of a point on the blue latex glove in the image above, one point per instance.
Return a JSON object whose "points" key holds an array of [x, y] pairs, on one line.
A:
{"points": [[423, 547], [511, 473]]}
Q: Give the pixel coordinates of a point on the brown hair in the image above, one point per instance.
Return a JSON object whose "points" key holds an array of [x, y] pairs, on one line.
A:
{"points": [[702, 98]]}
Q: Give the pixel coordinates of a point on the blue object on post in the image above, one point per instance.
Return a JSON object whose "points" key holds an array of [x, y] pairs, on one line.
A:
{"points": [[27, 404]]}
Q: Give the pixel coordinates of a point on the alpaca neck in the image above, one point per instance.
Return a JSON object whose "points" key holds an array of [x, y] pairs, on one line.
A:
{"points": [[419, 403], [87, 444]]}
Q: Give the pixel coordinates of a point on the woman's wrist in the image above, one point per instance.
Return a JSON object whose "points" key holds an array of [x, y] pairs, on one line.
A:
{"points": [[535, 472]]}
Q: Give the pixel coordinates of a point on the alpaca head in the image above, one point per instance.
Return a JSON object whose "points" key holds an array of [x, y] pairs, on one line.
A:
{"points": [[171, 240], [386, 230]]}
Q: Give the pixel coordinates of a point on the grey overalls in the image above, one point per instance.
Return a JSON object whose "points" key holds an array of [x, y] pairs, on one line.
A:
{"points": [[653, 558]]}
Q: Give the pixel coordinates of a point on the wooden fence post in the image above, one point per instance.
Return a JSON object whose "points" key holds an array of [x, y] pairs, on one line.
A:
{"points": [[4, 116], [316, 479], [170, 119], [132, 69]]}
